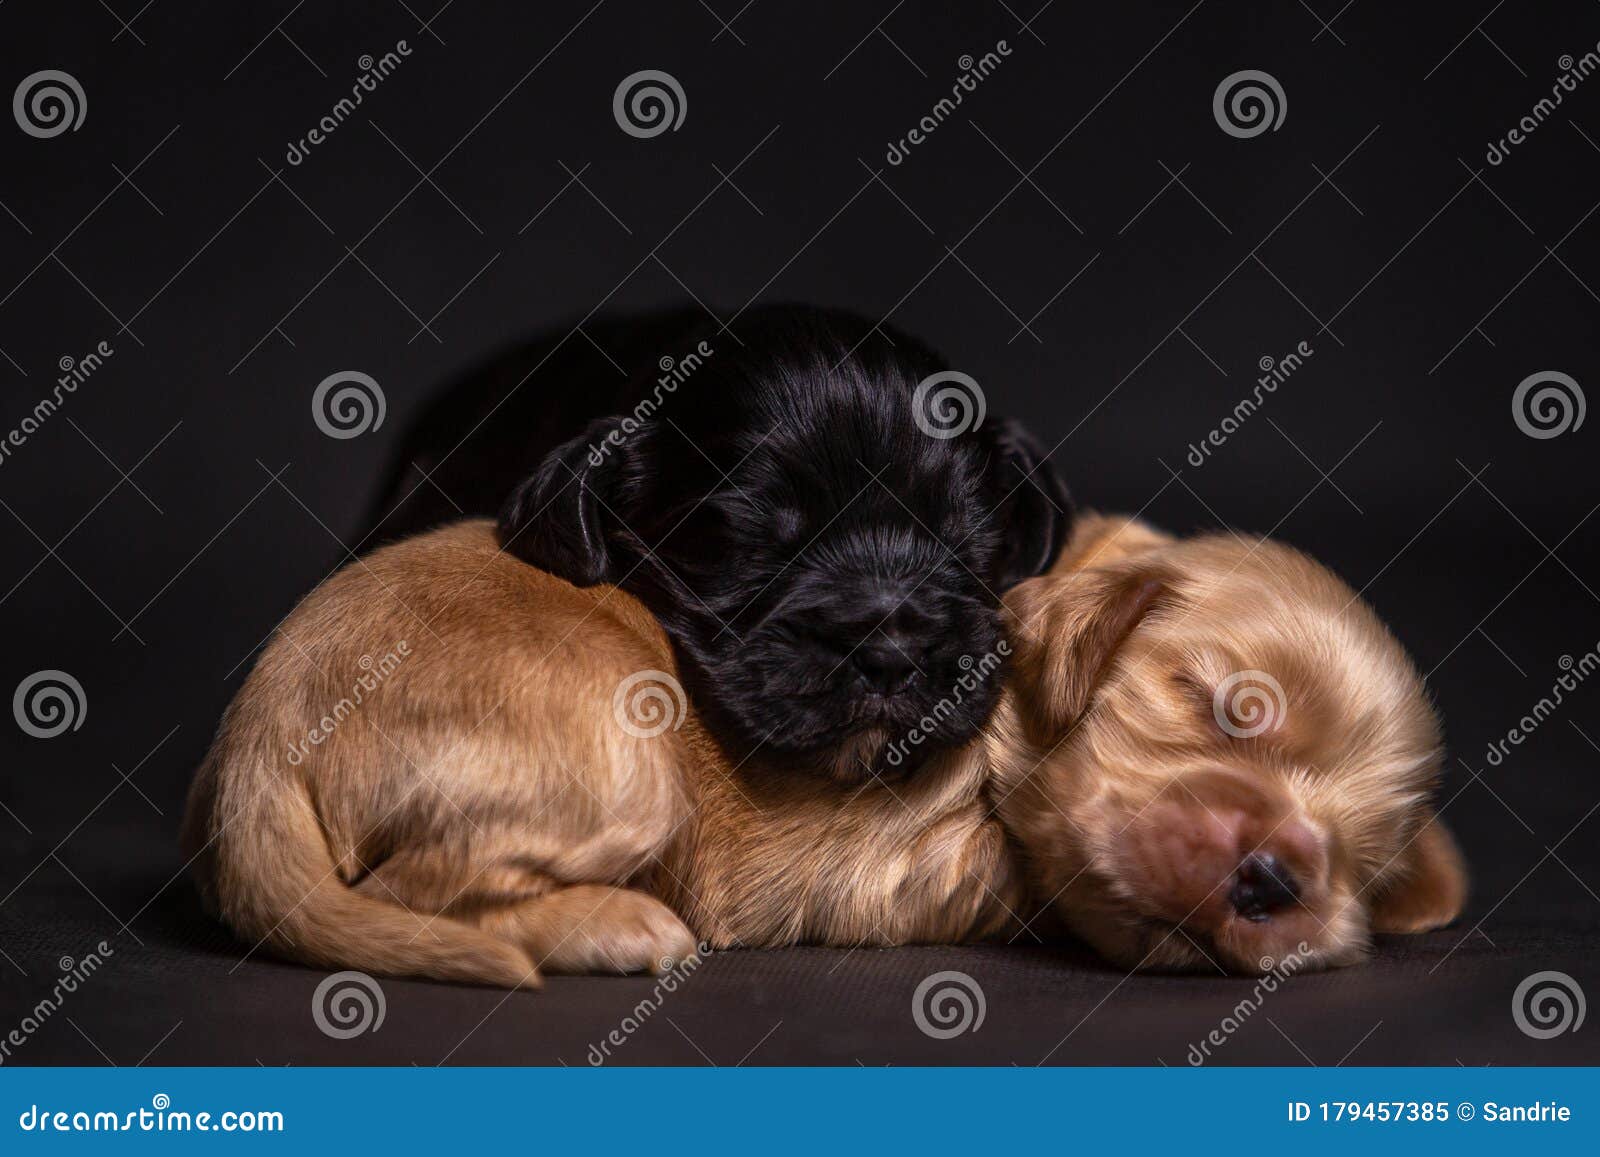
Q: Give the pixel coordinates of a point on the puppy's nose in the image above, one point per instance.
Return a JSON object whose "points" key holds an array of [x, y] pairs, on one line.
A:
{"points": [[1262, 886], [887, 663]]}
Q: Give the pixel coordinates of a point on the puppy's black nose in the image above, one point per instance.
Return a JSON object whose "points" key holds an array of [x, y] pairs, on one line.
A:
{"points": [[886, 662], [1262, 886]]}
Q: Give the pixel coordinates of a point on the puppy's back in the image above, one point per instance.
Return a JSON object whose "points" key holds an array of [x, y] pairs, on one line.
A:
{"points": [[432, 695]]}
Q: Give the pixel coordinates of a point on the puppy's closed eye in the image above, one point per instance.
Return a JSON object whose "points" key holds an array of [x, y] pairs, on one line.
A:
{"points": [[1249, 705]]}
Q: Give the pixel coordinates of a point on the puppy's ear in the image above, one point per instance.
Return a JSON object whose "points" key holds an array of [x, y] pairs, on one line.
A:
{"points": [[1067, 631], [557, 520], [1034, 512], [1430, 887]]}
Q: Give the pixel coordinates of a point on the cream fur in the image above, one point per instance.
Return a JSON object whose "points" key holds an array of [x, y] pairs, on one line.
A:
{"points": [[481, 816]]}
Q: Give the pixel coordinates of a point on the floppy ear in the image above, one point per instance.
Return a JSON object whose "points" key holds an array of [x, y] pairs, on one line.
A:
{"points": [[557, 519], [1430, 887], [1067, 631], [1034, 512]]}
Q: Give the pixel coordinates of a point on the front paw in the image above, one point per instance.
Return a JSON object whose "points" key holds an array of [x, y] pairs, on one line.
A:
{"points": [[611, 930]]}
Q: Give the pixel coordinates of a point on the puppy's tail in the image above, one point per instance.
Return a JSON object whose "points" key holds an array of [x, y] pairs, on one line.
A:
{"points": [[263, 864]]}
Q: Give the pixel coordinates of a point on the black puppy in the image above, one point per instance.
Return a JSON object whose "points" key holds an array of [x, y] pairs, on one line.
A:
{"points": [[823, 532], [488, 429]]}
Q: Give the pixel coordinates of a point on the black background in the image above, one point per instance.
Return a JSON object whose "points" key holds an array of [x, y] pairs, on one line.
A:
{"points": [[156, 528]]}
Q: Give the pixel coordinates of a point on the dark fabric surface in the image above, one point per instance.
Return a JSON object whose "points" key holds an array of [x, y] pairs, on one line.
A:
{"points": [[182, 997]]}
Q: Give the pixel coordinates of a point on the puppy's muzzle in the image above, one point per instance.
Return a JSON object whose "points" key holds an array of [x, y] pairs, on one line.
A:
{"points": [[1263, 884], [889, 662], [1230, 857]]}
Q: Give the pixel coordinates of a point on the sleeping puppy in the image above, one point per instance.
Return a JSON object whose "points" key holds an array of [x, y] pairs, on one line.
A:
{"points": [[821, 529], [1222, 758], [450, 764], [515, 785]]}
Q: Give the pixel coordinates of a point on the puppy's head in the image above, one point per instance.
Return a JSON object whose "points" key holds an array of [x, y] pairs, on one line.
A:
{"points": [[1229, 761], [828, 565]]}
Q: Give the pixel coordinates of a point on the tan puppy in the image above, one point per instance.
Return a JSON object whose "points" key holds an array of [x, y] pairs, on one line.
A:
{"points": [[1226, 756], [439, 768]]}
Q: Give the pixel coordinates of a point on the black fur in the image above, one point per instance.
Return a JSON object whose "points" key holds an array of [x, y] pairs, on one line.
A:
{"points": [[827, 571], [488, 429]]}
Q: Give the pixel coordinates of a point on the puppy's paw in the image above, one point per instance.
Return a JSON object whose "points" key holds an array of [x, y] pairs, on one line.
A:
{"points": [[590, 928]]}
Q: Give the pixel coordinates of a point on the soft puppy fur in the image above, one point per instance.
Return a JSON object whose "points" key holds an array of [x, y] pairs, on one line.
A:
{"points": [[821, 540], [1226, 760], [439, 767], [502, 802]]}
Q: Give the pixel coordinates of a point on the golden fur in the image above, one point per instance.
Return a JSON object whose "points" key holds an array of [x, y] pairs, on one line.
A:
{"points": [[425, 775], [1188, 703]]}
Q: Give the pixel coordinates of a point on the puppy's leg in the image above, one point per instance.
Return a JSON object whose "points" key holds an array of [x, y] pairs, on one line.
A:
{"points": [[564, 928], [593, 928]]}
